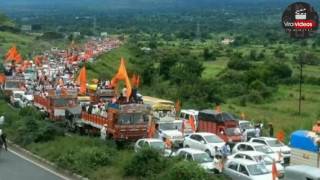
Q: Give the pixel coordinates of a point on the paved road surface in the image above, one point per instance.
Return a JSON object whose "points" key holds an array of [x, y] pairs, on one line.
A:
{"points": [[14, 167]]}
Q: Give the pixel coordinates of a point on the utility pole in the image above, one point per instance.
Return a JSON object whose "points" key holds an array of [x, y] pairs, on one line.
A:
{"points": [[300, 84], [198, 32]]}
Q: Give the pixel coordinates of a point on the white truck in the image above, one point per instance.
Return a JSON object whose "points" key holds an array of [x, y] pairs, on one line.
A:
{"points": [[305, 148]]}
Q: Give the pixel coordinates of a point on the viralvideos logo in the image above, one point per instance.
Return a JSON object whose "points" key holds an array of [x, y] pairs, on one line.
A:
{"points": [[300, 20]]}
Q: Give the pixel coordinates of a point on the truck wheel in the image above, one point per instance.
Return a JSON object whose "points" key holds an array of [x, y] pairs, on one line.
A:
{"points": [[208, 152]]}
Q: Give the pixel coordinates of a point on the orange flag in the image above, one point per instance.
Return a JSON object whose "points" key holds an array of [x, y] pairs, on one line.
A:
{"points": [[138, 81], [192, 123], [2, 78], [13, 55], [280, 136], [274, 171], [122, 75], [134, 80], [82, 80], [151, 130]]}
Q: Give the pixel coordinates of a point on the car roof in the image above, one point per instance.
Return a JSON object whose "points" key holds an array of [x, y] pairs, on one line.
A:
{"points": [[266, 138], [251, 153], [203, 133], [252, 143], [191, 151], [190, 111], [151, 140], [243, 161]]}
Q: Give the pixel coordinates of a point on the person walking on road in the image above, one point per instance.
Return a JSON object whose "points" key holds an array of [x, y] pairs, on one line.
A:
{"points": [[3, 140]]}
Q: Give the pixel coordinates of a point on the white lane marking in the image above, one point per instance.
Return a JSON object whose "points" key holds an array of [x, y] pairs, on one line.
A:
{"points": [[39, 165]]}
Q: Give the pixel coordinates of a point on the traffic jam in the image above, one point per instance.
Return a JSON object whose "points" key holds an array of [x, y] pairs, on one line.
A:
{"points": [[55, 83]]}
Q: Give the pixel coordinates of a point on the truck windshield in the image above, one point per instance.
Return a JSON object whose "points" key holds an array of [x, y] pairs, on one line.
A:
{"points": [[233, 131], [170, 126], [60, 102], [245, 125], [12, 84], [131, 118]]}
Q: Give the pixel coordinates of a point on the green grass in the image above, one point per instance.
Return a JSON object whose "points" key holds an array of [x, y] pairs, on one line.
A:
{"points": [[213, 68], [107, 64], [282, 110]]}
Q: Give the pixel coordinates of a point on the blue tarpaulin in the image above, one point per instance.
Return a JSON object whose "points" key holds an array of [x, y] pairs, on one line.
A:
{"points": [[301, 140]]}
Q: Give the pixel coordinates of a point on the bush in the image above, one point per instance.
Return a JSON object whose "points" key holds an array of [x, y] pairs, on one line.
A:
{"points": [[146, 162], [185, 170], [255, 97], [239, 64]]}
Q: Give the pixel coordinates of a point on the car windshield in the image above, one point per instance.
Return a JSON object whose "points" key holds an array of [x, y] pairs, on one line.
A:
{"points": [[131, 118], [233, 131], [274, 143], [202, 158], [257, 169], [264, 149], [213, 139], [267, 160], [157, 145], [12, 84], [245, 125], [170, 126]]}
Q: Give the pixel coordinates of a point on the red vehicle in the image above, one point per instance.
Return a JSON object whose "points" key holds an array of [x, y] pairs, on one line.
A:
{"points": [[124, 122], [220, 123], [56, 105]]}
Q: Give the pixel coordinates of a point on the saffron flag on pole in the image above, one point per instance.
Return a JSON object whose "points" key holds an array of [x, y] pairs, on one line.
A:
{"points": [[192, 123], [122, 75], [82, 81], [274, 171]]}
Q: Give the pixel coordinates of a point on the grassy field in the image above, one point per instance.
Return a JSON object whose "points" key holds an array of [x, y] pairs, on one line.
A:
{"points": [[213, 68], [282, 109]]}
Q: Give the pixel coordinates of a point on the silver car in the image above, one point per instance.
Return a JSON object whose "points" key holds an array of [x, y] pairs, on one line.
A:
{"points": [[241, 169]]}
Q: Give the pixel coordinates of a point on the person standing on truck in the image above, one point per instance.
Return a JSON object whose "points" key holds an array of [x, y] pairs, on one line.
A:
{"points": [[316, 127], [257, 131]]}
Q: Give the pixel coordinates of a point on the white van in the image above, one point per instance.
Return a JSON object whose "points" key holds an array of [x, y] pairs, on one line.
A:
{"points": [[301, 172], [15, 98]]}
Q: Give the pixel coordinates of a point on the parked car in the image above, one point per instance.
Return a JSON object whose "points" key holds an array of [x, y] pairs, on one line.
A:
{"points": [[171, 130], [246, 126], [259, 157], [16, 97], [200, 157], [203, 141], [242, 169], [298, 172], [151, 143], [26, 100], [276, 146], [251, 146]]}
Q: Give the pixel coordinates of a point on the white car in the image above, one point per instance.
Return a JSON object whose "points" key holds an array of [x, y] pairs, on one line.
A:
{"points": [[16, 97], [26, 100], [200, 157], [242, 169], [276, 146], [203, 141], [151, 143], [251, 146], [170, 130], [259, 157]]}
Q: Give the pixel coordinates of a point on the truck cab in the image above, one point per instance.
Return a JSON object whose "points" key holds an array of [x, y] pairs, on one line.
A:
{"points": [[102, 94], [127, 122], [222, 124], [13, 83]]}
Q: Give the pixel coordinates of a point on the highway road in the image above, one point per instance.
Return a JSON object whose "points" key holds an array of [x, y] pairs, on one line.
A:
{"points": [[14, 166]]}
